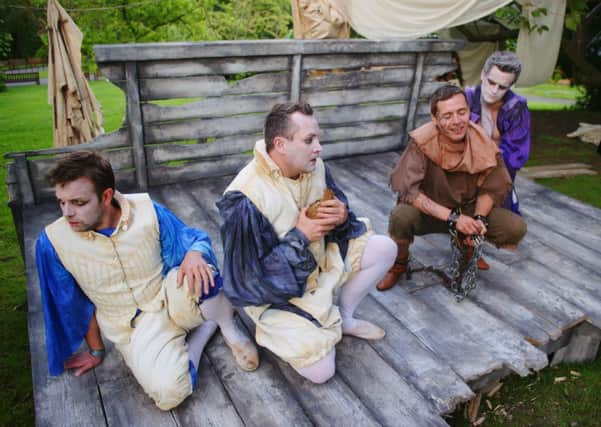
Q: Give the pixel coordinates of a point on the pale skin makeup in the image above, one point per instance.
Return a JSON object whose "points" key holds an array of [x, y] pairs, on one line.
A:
{"points": [[451, 119], [298, 154], [495, 84], [85, 210]]}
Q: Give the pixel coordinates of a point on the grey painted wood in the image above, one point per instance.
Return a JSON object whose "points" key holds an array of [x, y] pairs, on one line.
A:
{"points": [[192, 170], [187, 50], [64, 400], [115, 72], [526, 303], [173, 152], [357, 113], [501, 341], [580, 297], [364, 129], [262, 397], [419, 367], [568, 268], [182, 87], [415, 89], [344, 79], [363, 146], [105, 141], [325, 404], [197, 67], [203, 128], [259, 83], [213, 107], [126, 404], [333, 61], [35, 219], [528, 188], [135, 127], [563, 244], [296, 64], [209, 404], [578, 227], [24, 181], [322, 98], [584, 344], [381, 388], [364, 132]]}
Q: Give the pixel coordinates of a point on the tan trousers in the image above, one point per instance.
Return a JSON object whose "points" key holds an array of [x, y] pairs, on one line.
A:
{"points": [[157, 352], [504, 227]]}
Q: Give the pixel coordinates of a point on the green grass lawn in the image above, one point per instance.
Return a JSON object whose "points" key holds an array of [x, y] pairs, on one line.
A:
{"points": [[552, 90], [26, 124]]}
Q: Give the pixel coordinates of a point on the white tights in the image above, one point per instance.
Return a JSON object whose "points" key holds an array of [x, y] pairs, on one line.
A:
{"points": [[378, 256]]}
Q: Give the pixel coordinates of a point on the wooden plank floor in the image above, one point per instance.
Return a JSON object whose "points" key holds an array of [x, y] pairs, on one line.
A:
{"points": [[436, 352]]}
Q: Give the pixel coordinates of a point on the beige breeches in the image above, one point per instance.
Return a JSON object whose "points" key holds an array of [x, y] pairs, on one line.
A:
{"points": [[157, 353], [297, 340]]}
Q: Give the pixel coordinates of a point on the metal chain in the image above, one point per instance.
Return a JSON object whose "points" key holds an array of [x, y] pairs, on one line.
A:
{"points": [[462, 270]]}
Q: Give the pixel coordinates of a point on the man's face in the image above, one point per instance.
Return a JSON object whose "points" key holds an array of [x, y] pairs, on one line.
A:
{"points": [[452, 118], [80, 204], [495, 84], [303, 148]]}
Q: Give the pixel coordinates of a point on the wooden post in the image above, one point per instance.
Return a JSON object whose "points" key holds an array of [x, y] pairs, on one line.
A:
{"points": [[295, 77], [134, 124], [414, 98], [24, 180]]}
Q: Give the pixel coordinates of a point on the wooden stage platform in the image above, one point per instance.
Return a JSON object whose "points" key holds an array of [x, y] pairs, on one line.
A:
{"points": [[543, 300]]}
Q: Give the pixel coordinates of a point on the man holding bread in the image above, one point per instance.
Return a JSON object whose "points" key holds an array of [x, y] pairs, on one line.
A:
{"points": [[292, 243]]}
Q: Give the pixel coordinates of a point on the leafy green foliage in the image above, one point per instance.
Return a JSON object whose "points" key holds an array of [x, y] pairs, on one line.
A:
{"points": [[125, 21]]}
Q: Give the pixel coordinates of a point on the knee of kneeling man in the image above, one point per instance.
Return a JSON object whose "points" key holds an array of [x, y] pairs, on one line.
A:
{"points": [[168, 393], [323, 376], [401, 221], [519, 230]]}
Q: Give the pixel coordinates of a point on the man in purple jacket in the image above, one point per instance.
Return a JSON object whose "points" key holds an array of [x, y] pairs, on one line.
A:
{"points": [[502, 113], [504, 116]]}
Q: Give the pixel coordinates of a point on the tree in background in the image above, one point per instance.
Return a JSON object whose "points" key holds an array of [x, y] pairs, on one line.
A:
{"points": [[131, 21]]}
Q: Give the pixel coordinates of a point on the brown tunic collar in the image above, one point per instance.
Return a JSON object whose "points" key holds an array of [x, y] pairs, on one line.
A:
{"points": [[478, 154]]}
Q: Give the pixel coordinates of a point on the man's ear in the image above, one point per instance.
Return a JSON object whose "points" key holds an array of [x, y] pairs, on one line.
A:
{"points": [[482, 75], [107, 196], [279, 144]]}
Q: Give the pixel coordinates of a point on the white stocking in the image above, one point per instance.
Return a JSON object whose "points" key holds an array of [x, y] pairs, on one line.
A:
{"points": [[320, 371], [221, 311], [198, 339], [378, 256]]}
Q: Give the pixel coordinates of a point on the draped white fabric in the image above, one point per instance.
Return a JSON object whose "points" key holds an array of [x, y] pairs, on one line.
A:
{"points": [[538, 51], [409, 19]]}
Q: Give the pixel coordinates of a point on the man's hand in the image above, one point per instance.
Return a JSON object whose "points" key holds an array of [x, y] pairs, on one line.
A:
{"points": [[314, 229], [333, 209], [197, 272], [82, 362], [469, 226]]}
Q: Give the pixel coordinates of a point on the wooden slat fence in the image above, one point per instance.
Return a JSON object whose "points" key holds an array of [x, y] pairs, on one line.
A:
{"points": [[194, 110]]}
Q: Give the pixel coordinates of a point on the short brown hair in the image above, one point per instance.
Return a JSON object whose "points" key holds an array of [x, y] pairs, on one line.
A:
{"points": [[444, 93], [277, 122], [89, 164]]}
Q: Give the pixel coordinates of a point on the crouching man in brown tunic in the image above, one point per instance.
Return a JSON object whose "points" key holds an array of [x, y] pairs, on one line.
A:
{"points": [[451, 176]]}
